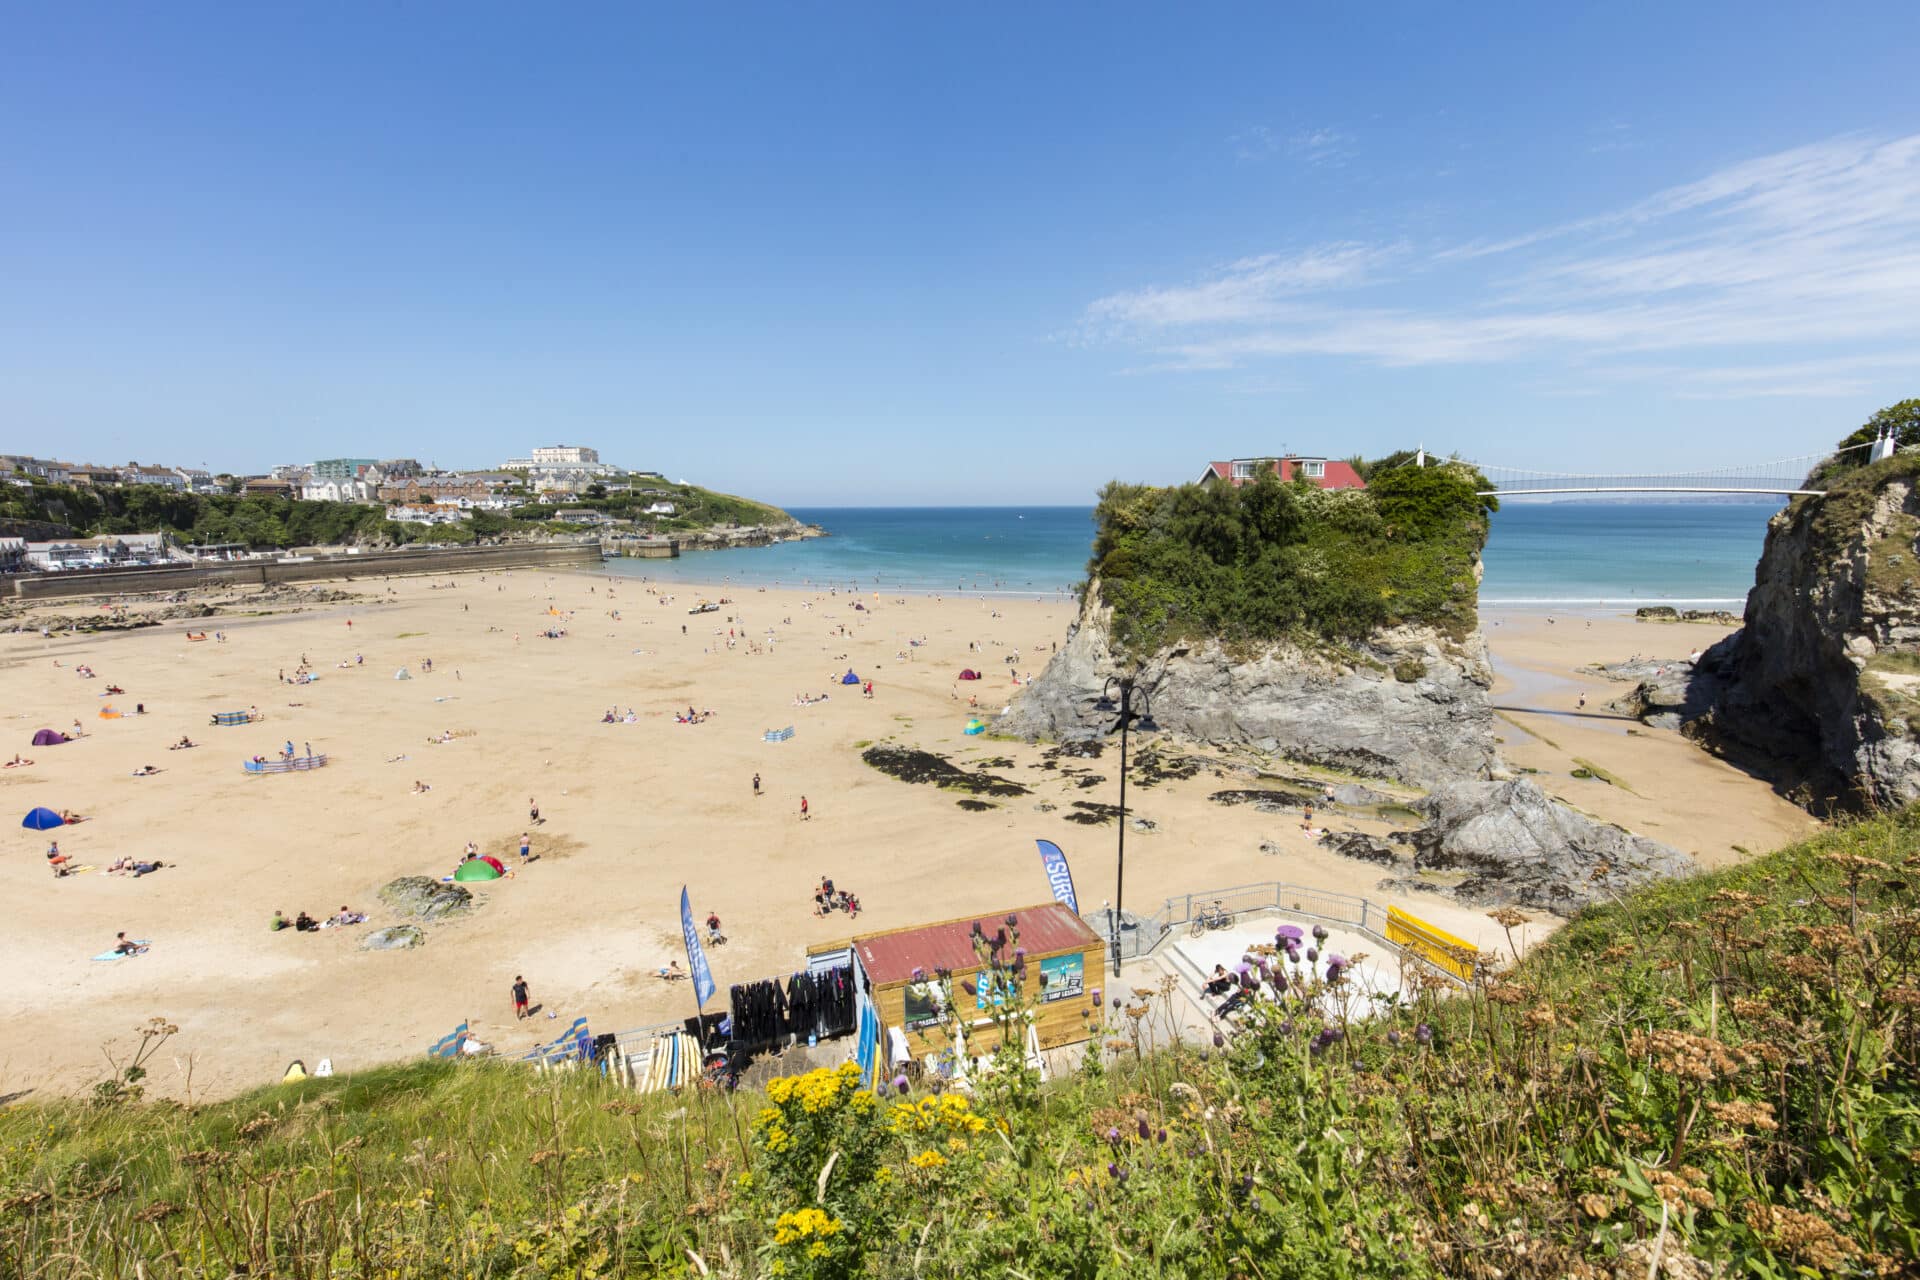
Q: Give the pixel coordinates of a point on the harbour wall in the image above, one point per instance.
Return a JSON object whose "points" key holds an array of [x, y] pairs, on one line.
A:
{"points": [[102, 582]]}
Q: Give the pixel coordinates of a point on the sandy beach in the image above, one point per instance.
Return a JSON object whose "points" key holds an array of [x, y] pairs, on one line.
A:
{"points": [[628, 811]]}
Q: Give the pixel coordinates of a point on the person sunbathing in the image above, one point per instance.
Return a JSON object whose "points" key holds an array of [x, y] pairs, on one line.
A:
{"points": [[114, 688], [185, 744], [145, 771], [69, 817], [18, 762], [349, 916], [420, 788], [139, 869]]}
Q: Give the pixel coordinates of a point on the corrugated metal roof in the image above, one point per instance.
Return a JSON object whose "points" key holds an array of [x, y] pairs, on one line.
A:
{"points": [[1044, 930]]}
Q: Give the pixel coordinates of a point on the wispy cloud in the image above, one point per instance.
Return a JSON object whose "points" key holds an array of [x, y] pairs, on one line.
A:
{"points": [[1801, 249], [1326, 147]]}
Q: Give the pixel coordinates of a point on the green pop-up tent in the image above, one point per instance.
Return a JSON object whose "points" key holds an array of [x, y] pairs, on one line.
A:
{"points": [[478, 869]]}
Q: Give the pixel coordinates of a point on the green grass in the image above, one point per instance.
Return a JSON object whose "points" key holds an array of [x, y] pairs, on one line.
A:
{"points": [[1723, 1071]]}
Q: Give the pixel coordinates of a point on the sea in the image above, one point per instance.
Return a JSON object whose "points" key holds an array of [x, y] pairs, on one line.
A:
{"points": [[1567, 555]]}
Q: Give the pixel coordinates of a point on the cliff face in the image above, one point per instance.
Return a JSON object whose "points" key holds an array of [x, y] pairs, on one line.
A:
{"points": [[1408, 704], [1821, 686]]}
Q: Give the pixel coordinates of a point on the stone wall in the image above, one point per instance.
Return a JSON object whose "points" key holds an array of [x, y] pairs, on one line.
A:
{"points": [[520, 555]]}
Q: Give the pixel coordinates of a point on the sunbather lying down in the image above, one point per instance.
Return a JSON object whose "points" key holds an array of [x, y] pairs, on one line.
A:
{"points": [[670, 972]]}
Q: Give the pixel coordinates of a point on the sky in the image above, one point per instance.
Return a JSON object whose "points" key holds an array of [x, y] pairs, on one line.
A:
{"points": [[918, 254]]}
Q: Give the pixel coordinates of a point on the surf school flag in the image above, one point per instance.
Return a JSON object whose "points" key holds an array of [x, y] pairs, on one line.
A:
{"points": [[1059, 877], [696, 958]]}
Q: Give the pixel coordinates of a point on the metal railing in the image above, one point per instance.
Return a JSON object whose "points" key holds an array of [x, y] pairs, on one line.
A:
{"points": [[1144, 934]]}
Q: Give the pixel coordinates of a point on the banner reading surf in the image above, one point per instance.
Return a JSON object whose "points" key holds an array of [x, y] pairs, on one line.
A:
{"points": [[696, 955], [1059, 875]]}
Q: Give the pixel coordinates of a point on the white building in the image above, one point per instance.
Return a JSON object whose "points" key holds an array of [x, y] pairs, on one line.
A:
{"points": [[564, 455], [140, 473], [337, 491], [98, 553], [661, 509], [429, 513]]}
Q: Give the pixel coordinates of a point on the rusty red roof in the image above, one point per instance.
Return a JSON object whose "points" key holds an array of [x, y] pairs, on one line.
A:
{"points": [[1044, 931]]}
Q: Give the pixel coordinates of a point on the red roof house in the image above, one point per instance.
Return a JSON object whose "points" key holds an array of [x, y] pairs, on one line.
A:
{"points": [[1327, 473]]}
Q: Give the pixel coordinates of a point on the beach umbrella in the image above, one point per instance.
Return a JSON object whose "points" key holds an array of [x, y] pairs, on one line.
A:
{"points": [[477, 869], [42, 820]]}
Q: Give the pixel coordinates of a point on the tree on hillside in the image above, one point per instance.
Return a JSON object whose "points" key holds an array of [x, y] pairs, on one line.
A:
{"points": [[1903, 419]]}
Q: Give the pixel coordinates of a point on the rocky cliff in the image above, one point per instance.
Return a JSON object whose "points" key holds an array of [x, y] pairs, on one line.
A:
{"points": [[1820, 688], [1408, 703]]}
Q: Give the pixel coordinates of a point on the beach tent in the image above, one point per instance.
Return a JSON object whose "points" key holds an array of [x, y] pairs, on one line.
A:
{"points": [[478, 869], [108, 713], [401, 674], [49, 738], [974, 727], [969, 674], [849, 678], [42, 820]]}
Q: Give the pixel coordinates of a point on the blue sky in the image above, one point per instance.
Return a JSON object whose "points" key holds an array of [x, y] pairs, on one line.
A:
{"points": [[917, 253]]}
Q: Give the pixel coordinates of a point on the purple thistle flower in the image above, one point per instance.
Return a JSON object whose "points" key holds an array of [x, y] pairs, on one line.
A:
{"points": [[1119, 1175], [1113, 1136], [1246, 1185], [900, 1084], [1113, 1170], [1313, 954], [1219, 1040], [1163, 1136], [1319, 933], [1145, 1132], [1280, 982], [1096, 995], [1336, 961], [1116, 1002], [971, 989], [1012, 921], [1290, 932], [1019, 954], [919, 974], [1393, 1038], [1423, 1033]]}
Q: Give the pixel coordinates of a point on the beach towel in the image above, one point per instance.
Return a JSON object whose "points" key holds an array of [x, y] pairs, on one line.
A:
{"points": [[107, 957]]}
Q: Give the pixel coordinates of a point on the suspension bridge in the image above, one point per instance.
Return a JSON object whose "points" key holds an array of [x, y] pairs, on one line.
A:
{"points": [[1785, 477]]}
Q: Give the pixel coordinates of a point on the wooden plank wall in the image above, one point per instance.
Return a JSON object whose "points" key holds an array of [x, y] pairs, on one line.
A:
{"points": [[1059, 1022]]}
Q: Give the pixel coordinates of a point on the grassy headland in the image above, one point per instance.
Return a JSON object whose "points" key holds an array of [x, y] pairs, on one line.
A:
{"points": [[1722, 1073], [1274, 560]]}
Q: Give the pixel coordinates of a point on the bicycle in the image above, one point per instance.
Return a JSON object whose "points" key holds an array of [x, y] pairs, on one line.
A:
{"points": [[1214, 917]]}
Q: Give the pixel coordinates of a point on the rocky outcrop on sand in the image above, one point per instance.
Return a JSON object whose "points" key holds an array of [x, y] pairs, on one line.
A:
{"points": [[1820, 689], [1512, 845], [1408, 704], [399, 937], [425, 898], [1508, 843]]}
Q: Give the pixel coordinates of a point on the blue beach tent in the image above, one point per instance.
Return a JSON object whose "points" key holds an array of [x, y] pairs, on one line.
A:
{"points": [[42, 820], [849, 678]]}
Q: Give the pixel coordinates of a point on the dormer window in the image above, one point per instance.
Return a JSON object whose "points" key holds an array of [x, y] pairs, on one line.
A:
{"points": [[1315, 468]]}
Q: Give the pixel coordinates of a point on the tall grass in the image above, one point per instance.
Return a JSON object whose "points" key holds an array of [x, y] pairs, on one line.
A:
{"points": [[1718, 1076]]}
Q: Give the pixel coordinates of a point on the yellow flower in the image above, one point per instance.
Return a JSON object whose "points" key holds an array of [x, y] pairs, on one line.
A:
{"points": [[883, 1175], [816, 1250], [928, 1160]]}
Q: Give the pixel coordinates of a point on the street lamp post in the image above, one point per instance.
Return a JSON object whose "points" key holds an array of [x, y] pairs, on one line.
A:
{"points": [[1131, 704]]}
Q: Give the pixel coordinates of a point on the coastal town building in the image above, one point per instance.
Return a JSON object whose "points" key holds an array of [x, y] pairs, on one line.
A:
{"points": [[340, 468], [1326, 473], [91, 477], [429, 513], [337, 491], [268, 487], [13, 555], [97, 553], [141, 473]]}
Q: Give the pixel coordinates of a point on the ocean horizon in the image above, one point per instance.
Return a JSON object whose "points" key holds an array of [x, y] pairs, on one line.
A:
{"points": [[1562, 554]]}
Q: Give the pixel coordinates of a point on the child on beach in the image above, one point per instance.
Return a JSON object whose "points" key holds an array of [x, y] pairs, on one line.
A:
{"points": [[805, 813], [519, 997]]}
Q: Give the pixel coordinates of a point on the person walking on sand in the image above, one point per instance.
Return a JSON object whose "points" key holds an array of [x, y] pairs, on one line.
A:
{"points": [[533, 811], [526, 845], [756, 786], [805, 813], [519, 997]]}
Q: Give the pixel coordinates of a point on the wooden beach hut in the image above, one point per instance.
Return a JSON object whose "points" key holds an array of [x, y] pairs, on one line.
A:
{"points": [[898, 970]]}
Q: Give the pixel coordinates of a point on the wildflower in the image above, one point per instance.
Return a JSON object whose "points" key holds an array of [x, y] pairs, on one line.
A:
{"points": [[1423, 1033], [919, 974], [1116, 1002], [1219, 1040], [1393, 1038], [1096, 995], [1319, 933], [1113, 1136], [1288, 933], [1163, 1137], [1019, 954], [900, 1084], [1145, 1133], [973, 990], [1012, 921], [1313, 954], [928, 1160]]}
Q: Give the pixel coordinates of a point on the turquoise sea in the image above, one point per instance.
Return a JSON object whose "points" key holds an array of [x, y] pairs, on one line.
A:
{"points": [[1564, 553]]}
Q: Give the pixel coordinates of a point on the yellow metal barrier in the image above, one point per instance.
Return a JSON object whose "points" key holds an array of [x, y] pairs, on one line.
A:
{"points": [[1436, 946]]}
